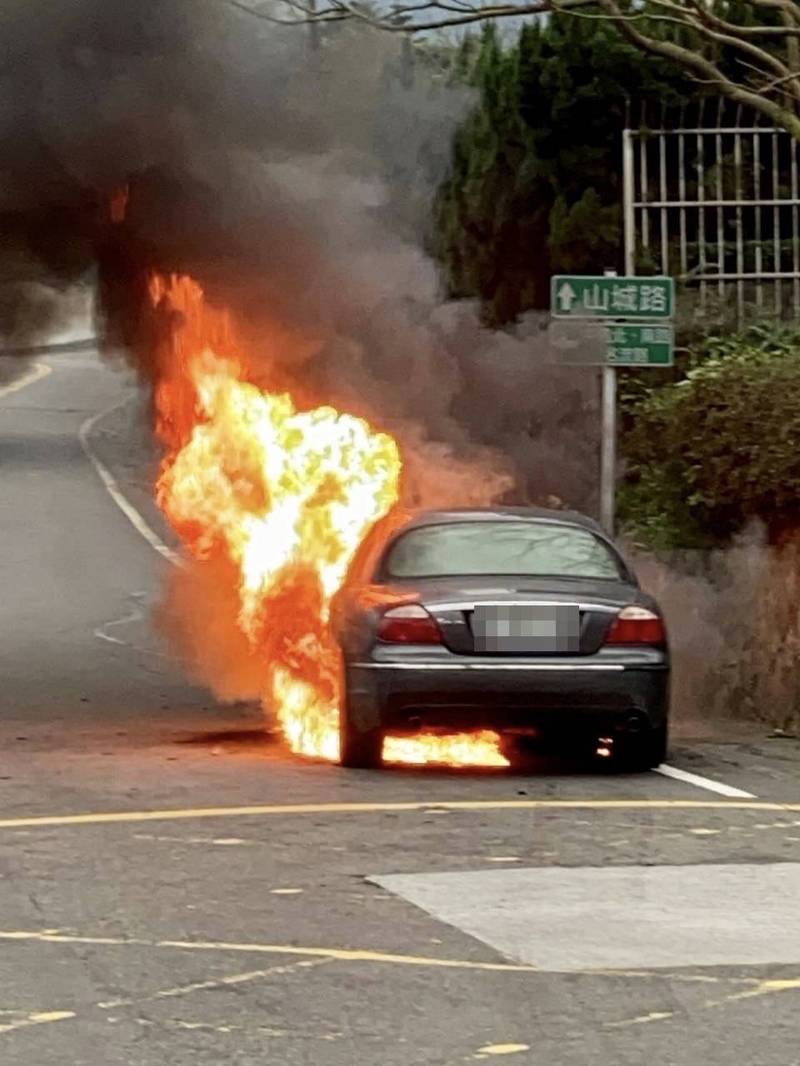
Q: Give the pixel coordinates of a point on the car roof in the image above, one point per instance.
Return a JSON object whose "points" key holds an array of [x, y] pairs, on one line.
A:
{"points": [[498, 514]]}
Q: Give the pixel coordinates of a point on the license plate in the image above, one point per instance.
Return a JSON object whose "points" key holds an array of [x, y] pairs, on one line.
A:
{"points": [[532, 628]]}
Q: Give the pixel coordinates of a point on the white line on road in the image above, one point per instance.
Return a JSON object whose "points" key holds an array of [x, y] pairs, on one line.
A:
{"points": [[113, 489], [36, 373], [101, 634], [708, 783]]}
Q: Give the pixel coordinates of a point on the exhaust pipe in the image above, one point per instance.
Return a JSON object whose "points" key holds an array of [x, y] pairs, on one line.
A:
{"points": [[634, 723]]}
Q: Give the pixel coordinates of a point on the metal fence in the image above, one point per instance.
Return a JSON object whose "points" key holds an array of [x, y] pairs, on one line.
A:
{"points": [[715, 202]]}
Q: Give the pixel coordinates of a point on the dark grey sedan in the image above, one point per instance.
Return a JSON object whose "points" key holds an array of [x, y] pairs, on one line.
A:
{"points": [[519, 620]]}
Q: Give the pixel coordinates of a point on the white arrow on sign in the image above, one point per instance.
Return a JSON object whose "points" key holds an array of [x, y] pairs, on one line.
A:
{"points": [[566, 296]]}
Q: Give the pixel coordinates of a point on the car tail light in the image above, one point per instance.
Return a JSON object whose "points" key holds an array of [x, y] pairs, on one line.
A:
{"points": [[637, 625], [410, 624]]}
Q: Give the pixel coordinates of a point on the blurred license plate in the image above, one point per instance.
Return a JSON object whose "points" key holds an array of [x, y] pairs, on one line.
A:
{"points": [[551, 628]]}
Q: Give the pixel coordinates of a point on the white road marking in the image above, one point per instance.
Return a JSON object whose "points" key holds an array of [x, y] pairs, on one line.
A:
{"points": [[101, 634], [707, 783], [136, 615], [205, 841], [590, 919], [114, 491], [36, 373]]}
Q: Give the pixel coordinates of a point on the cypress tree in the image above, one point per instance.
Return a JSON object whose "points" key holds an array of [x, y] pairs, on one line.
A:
{"points": [[535, 183]]}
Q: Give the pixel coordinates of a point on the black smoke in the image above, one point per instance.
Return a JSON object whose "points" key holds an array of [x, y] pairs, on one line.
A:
{"points": [[294, 183]]}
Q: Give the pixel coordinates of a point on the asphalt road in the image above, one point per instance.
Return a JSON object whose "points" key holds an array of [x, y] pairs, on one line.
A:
{"points": [[176, 888]]}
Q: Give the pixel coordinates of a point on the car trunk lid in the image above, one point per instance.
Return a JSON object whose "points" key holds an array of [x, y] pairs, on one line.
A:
{"points": [[524, 617]]}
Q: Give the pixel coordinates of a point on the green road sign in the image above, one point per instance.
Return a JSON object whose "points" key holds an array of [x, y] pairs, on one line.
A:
{"points": [[635, 344], [584, 342], [611, 297]]}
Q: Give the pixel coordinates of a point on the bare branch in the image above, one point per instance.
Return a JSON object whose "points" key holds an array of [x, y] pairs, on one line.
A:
{"points": [[397, 19], [780, 5], [705, 22], [478, 14], [455, 5], [701, 65], [704, 13], [398, 16], [305, 15], [774, 92], [768, 86]]}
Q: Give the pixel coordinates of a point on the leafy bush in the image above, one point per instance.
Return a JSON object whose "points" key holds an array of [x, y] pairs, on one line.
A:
{"points": [[706, 454]]}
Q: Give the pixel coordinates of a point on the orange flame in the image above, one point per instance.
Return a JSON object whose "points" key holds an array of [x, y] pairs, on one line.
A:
{"points": [[457, 749], [286, 495]]}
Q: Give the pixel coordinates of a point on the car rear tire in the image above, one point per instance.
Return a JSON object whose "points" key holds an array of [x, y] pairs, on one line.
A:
{"points": [[644, 752], [357, 750]]}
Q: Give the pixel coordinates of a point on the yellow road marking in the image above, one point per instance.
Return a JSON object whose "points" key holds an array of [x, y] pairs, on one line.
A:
{"points": [[205, 986], [111, 817], [36, 373], [208, 1027], [763, 988], [323, 954], [760, 988], [643, 1019], [503, 1049], [668, 975], [37, 1018], [339, 954]]}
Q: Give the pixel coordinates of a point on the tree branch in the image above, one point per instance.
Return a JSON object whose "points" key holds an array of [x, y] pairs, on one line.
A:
{"points": [[398, 17], [305, 15], [701, 65], [778, 70]]}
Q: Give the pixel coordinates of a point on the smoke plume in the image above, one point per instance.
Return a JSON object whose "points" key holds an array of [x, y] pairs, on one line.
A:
{"points": [[294, 183]]}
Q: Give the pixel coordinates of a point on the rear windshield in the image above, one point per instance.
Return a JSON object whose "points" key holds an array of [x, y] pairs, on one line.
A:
{"points": [[476, 548]]}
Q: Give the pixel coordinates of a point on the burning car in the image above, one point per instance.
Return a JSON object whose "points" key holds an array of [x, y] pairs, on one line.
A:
{"points": [[377, 635], [504, 620]]}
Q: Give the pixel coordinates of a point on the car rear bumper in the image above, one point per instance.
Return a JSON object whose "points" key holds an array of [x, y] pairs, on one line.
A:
{"points": [[553, 696]]}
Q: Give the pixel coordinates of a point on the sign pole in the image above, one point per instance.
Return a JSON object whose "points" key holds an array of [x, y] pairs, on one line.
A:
{"points": [[628, 203], [608, 443], [608, 403]]}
